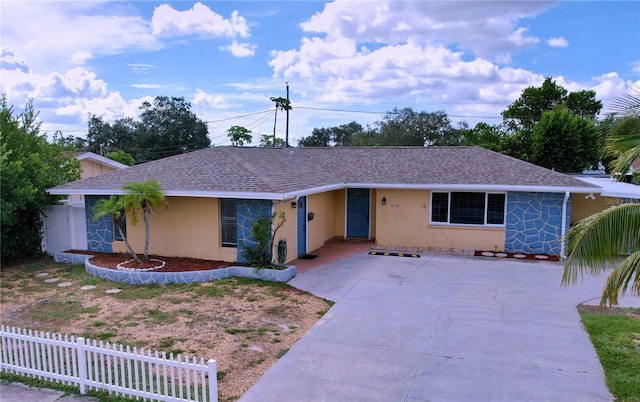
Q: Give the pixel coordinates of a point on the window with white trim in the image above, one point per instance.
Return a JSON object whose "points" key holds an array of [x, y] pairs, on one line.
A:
{"points": [[229, 231], [468, 208]]}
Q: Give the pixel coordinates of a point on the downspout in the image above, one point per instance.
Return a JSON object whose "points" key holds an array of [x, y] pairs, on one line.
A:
{"points": [[563, 230]]}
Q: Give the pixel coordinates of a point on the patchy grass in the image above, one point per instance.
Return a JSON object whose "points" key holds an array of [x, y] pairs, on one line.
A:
{"points": [[615, 334], [245, 324]]}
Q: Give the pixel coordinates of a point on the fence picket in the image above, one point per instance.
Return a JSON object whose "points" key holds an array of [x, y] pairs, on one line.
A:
{"points": [[85, 363]]}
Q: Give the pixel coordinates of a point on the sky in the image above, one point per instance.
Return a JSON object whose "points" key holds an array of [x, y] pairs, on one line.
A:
{"points": [[343, 60]]}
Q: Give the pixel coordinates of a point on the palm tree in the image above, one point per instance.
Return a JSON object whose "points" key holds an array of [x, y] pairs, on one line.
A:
{"points": [[113, 207], [611, 238], [143, 195]]}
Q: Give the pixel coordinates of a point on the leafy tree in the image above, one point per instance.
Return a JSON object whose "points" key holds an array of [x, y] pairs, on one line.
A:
{"points": [[29, 164], [523, 115], [343, 135], [527, 110], [239, 135], [145, 196], [610, 238], [167, 127], [485, 136], [320, 137], [263, 232], [283, 104], [104, 138], [410, 128], [122, 157], [565, 142], [113, 207], [266, 140]]}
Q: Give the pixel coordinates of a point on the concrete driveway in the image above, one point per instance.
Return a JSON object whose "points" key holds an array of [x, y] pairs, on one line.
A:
{"points": [[440, 328]]}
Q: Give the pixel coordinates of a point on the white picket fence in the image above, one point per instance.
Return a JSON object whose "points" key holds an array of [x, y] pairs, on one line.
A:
{"points": [[104, 366]]}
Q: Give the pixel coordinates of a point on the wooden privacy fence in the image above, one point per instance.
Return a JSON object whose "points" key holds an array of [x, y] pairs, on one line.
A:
{"points": [[104, 366]]}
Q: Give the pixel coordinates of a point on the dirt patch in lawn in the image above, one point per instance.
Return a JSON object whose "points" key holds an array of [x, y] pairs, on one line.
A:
{"points": [[246, 325], [629, 312]]}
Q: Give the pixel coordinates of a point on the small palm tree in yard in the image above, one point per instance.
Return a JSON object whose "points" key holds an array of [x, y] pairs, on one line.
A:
{"points": [[611, 237], [113, 208], [145, 196]]}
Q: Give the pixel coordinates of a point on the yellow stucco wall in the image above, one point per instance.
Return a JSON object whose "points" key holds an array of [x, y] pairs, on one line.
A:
{"points": [[90, 169], [404, 221], [339, 213], [582, 207], [189, 228], [323, 226], [288, 230]]}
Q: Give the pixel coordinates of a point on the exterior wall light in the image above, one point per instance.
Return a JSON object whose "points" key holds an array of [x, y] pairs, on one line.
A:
{"points": [[384, 200], [294, 204]]}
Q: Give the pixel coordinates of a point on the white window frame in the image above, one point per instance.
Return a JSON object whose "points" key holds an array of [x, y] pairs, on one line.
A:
{"points": [[486, 211]]}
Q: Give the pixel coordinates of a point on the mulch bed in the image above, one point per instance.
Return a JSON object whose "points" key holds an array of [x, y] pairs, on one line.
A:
{"points": [[173, 264], [479, 253]]}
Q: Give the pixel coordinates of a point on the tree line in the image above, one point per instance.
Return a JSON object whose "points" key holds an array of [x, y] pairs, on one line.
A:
{"points": [[548, 126]]}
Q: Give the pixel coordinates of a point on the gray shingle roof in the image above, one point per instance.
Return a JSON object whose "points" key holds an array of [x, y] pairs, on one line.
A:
{"points": [[287, 172]]}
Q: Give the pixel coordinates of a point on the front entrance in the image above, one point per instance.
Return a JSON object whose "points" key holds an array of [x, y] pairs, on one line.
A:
{"points": [[358, 212], [302, 226]]}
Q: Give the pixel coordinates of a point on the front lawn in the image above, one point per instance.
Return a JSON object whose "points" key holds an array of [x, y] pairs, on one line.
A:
{"points": [[615, 334], [246, 325]]}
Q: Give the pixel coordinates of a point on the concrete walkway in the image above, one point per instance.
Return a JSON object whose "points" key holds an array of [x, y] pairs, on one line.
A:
{"points": [[18, 392], [441, 328]]}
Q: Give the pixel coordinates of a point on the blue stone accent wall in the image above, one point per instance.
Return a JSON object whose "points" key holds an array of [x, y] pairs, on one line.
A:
{"points": [[99, 232], [534, 222], [246, 212]]}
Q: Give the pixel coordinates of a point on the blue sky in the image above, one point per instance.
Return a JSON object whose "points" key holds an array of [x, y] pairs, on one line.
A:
{"points": [[344, 60]]}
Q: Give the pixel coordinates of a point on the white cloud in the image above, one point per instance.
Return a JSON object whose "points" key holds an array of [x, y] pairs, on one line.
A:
{"points": [[90, 28], [240, 49], [485, 28], [199, 20], [204, 100], [9, 61], [558, 42], [147, 86], [80, 57]]}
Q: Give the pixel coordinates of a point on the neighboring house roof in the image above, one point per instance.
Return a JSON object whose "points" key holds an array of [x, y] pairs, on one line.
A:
{"points": [[282, 173], [100, 159], [612, 188], [635, 165]]}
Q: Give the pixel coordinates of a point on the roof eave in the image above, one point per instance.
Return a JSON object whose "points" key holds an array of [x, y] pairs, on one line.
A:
{"points": [[478, 187]]}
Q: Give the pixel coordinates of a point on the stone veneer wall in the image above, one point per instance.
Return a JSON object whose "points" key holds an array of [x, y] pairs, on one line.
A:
{"points": [[246, 212], [100, 231], [534, 222]]}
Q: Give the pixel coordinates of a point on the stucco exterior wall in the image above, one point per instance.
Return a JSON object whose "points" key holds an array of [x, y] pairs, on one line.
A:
{"points": [[190, 227], [323, 225], [582, 207], [91, 168], [288, 230], [404, 221], [340, 223]]}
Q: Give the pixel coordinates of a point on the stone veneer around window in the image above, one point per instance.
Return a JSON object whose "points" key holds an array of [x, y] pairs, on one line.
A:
{"points": [[246, 212]]}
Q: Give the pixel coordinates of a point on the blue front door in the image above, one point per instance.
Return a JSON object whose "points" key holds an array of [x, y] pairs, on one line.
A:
{"points": [[302, 226], [358, 212]]}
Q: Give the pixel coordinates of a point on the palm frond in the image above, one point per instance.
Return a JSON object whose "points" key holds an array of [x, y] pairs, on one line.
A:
{"points": [[625, 274], [601, 240]]}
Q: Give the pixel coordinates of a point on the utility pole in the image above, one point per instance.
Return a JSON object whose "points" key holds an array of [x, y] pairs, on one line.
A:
{"points": [[286, 138]]}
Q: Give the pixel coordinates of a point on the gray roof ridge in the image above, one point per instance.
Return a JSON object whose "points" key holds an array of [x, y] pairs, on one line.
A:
{"points": [[257, 172]]}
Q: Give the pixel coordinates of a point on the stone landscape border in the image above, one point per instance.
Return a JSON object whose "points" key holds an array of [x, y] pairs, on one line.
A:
{"points": [[164, 278]]}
